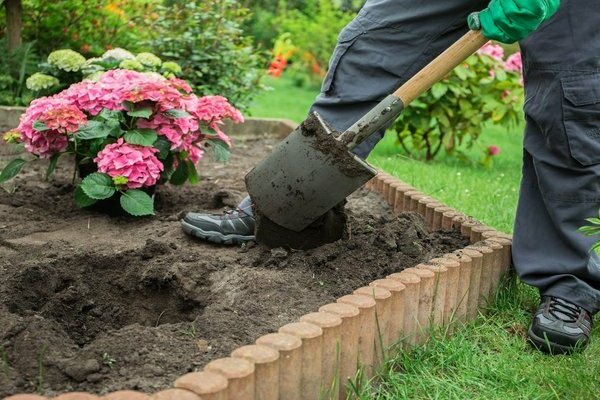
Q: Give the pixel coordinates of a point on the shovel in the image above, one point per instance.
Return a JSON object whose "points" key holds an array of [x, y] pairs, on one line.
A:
{"points": [[313, 170]]}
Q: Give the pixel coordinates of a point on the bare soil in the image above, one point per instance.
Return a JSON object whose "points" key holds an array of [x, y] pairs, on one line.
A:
{"points": [[97, 303]]}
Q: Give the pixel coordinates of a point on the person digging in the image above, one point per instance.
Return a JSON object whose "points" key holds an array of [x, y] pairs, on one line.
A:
{"points": [[560, 184]]}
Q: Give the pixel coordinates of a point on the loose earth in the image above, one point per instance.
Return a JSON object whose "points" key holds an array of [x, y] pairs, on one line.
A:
{"points": [[95, 303]]}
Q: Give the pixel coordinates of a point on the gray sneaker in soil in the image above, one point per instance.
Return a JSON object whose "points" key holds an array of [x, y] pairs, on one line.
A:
{"points": [[232, 227], [560, 327]]}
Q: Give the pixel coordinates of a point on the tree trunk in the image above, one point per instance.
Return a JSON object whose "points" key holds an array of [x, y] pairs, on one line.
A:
{"points": [[14, 23]]}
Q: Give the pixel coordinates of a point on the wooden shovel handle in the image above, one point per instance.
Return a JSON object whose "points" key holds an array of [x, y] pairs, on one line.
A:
{"points": [[441, 66]]}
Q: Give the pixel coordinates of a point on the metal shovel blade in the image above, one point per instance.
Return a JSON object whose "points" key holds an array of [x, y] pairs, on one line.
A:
{"points": [[305, 176]]}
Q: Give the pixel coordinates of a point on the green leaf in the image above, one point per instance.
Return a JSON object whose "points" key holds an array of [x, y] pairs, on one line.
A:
{"points": [[143, 112], [107, 114], [52, 165], [98, 186], [11, 170], [142, 137], [163, 146], [192, 173], [177, 113], [168, 168], [39, 126], [220, 150], [82, 199], [97, 130], [439, 90], [137, 203], [180, 175], [498, 114], [461, 72]]}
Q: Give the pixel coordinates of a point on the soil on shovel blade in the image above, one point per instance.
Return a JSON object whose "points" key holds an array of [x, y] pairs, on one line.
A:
{"points": [[96, 303]]}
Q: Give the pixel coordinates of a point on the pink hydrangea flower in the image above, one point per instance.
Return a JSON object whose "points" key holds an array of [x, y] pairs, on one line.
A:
{"points": [[514, 63], [93, 97], [493, 150], [64, 119], [136, 163], [493, 50], [174, 129], [180, 84], [193, 147], [214, 109], [58, 114]]}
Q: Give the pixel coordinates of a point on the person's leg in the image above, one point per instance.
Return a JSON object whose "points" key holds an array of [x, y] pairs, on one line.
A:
{"points": [[387, 43], [561, 176]]}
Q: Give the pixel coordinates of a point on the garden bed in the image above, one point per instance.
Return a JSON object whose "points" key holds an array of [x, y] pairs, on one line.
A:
{"points": [[94, 303]]}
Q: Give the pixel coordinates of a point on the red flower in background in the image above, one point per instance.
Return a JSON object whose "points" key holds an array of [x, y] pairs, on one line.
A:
{"points": [[277, 66], [493, 150]]}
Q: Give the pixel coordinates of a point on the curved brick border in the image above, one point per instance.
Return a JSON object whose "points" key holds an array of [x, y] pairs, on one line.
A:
{"points": [[319, 353]]}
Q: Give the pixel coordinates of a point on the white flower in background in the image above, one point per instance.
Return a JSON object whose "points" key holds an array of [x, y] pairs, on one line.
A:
{"points": [[133, 65], [149, 59], [118, 54], [67, 60], [38, 82]]}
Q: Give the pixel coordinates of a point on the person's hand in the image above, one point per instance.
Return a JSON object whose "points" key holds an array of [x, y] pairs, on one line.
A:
{"points": [[509, 21]]}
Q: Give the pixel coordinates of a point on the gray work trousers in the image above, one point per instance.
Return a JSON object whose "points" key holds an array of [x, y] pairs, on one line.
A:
{"points": [[390, 40]]}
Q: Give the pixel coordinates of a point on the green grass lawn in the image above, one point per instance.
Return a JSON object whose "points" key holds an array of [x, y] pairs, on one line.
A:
{"points": [[283, 100], [488, 358]]}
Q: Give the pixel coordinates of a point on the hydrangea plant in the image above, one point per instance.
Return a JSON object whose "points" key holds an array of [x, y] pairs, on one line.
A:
{"points": [[449, 117], [132, 130]]}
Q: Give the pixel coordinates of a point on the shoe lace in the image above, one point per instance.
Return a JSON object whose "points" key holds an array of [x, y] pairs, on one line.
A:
{"points": [[234, 213], [563, 310]]}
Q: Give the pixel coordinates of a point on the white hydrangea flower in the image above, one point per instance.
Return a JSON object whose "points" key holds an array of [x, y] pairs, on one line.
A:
{"points": [[149, 59], [133, 65], [118, 54], [67, 60], [38, 82]]}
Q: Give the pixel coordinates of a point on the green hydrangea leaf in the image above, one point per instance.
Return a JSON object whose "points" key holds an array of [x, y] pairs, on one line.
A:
{"points": [[163, 146], [81, 199], [177, 113], [220, 150], [142, 137], [98, 186], [137, 203], [52, 165], [11, 170], [192, 173], [39, 126], [144, 112], [98, 130], [180, 175]]}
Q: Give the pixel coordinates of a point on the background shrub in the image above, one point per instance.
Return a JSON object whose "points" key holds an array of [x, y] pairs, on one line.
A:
{"points": [[87, 26], [307, 37], [449, 117], [206, 39], [15, 67]]}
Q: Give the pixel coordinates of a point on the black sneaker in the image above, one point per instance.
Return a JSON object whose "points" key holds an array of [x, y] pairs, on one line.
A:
{"points": [[560, 327], [232, 227]]}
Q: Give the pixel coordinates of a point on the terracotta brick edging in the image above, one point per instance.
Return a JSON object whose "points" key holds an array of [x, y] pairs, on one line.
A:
{"points": [[320, 352]]}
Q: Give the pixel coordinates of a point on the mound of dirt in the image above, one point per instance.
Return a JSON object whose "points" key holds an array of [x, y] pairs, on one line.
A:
{"points": [[96, 303]]}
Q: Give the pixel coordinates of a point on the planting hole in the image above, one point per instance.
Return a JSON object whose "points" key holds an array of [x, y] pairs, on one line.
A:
{"points": [[94, 294]]}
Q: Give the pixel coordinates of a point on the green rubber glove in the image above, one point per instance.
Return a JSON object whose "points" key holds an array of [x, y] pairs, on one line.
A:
{"points": [[509, 21]]}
